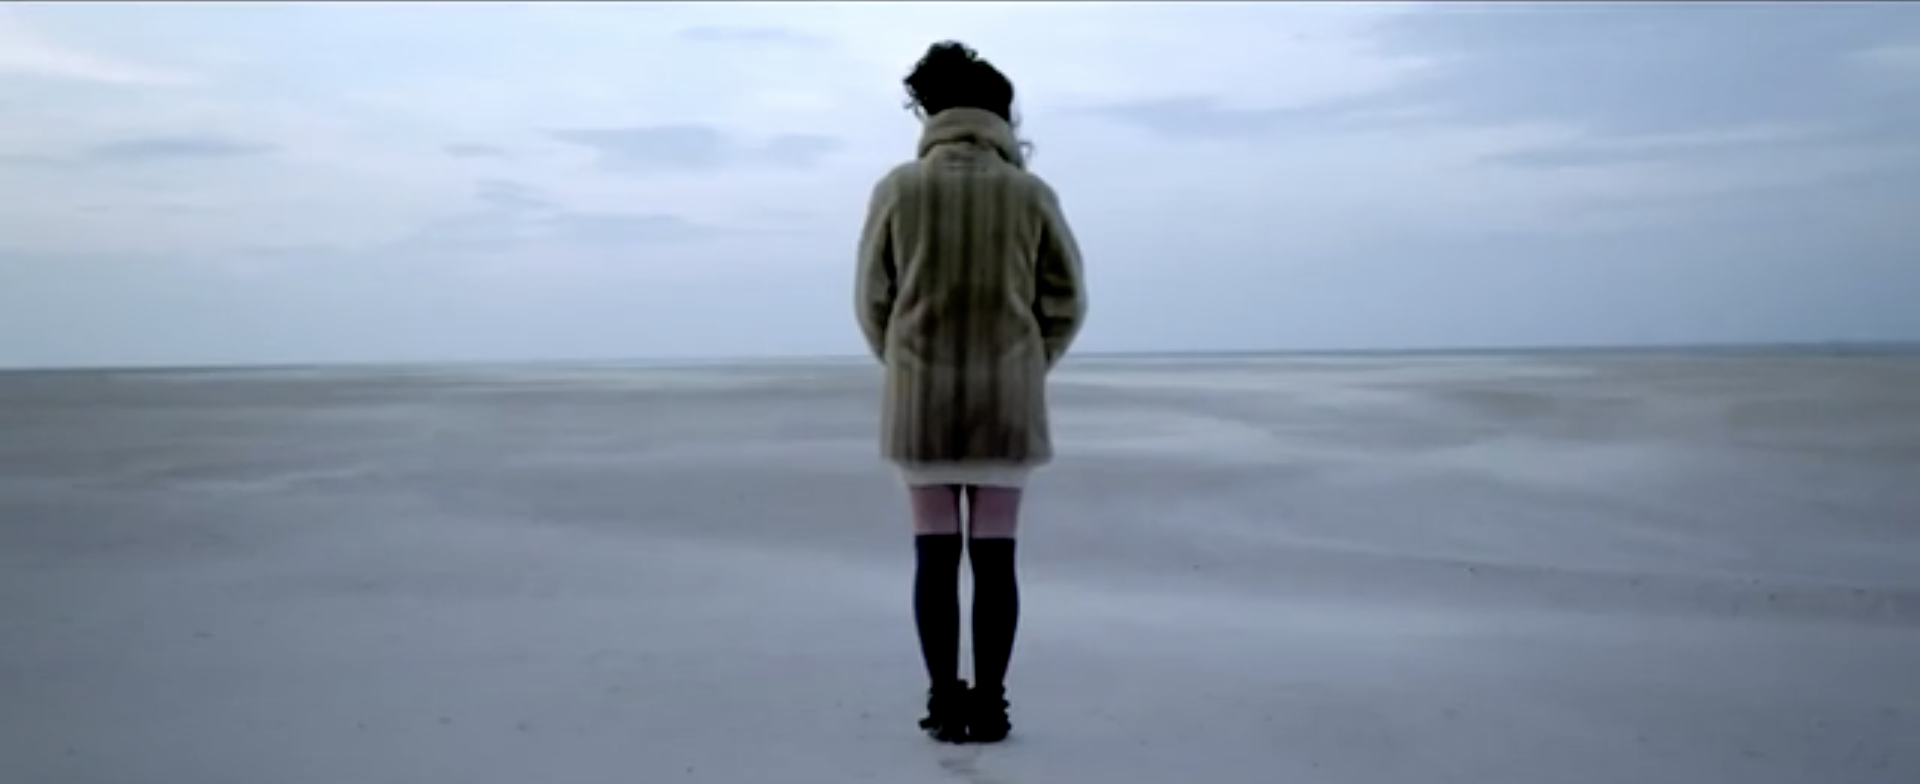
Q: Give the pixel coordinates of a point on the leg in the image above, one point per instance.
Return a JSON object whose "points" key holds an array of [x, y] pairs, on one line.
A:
{"points": [[936, 602], [936, 510], [993, 518]]}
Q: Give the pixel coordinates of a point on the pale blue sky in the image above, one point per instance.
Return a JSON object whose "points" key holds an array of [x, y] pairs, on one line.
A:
{"points": [[282, 182]]}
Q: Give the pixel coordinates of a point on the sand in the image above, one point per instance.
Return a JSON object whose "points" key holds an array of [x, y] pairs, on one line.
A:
{"points": [[1480, 569]]}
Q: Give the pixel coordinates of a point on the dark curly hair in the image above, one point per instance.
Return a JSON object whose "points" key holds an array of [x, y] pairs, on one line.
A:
{"points": [[952, 75]]}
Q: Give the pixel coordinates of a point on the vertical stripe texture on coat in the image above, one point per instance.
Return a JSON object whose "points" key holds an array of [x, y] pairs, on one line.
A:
{"points": [[969, 291]]}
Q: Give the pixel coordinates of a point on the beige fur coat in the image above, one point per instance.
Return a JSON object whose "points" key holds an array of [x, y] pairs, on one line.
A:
{"points": [[969, 290]]}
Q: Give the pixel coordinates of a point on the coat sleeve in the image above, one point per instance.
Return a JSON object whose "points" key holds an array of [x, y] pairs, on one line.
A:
{"points": [[1060, 295], [876, 278]]}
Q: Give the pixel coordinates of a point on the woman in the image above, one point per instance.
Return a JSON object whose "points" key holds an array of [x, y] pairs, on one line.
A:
{"points": [[969, 291]]}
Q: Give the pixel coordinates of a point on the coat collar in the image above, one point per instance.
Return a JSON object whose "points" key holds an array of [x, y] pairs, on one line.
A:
{"points": [[970, 126]]}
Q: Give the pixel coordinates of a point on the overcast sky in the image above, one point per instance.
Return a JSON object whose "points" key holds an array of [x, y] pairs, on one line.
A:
{"points": [[227, 183]]}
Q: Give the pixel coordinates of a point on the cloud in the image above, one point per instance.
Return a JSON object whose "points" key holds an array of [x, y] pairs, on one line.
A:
{"points": [[25, 52], [1682, 149], [17, 160], [1319, 175], [186, 148], [622, 229], [473, 150], [798, 150], [150, 209], [1605, 71], [749, 35], [514, 216], [1201, 118], [663, 147], [689, 148], [1901, 58], [511, 197], [173, 148], [1643, 69]]}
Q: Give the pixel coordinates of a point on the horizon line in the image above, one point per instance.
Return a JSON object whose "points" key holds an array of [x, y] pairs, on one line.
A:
{"points": [[1853, 347]]}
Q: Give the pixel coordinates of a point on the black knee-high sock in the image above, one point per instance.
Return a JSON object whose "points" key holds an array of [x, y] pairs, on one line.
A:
{"points": [[936, 604], [996, 610]]}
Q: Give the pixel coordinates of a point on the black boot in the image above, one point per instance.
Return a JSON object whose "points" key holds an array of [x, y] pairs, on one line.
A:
{"points": [[996, 616], [936, 613], [987, 720], [946, 719]]}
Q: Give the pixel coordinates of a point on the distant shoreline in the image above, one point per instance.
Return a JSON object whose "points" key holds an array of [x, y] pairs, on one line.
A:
{"points": [[1808, 349]]}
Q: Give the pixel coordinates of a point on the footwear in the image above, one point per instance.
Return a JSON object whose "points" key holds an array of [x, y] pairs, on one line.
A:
{"points": [[946, 719], [987, 720]]}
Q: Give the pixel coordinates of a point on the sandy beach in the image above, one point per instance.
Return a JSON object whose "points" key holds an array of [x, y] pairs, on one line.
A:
{"points": [[1535, 569]]}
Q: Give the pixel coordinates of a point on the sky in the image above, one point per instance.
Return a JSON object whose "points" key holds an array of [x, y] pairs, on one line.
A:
{"points": [[235, 183]]}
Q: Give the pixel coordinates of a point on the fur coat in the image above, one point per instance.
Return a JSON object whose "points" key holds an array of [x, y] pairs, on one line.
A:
{"points": [[969, 290]]}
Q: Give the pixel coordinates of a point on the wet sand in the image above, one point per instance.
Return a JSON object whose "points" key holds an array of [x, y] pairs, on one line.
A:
{"points": [[1528, 569]]}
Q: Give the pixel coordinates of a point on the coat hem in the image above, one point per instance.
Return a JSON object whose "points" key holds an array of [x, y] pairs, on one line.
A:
{"points": [[978, 474]]}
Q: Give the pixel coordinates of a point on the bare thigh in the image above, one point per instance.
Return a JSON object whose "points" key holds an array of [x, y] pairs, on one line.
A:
{"points": [[993, 512], [936, 509]]}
